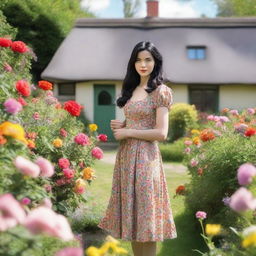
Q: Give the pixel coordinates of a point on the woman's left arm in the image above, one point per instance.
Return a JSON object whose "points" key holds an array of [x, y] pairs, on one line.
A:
{"points": [[159, 132]]}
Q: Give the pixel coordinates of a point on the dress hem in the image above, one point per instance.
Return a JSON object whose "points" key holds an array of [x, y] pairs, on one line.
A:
{"points": [[130, 239]]}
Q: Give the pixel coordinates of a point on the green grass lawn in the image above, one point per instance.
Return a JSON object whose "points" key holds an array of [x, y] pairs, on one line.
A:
{"points": [[188, 237]]}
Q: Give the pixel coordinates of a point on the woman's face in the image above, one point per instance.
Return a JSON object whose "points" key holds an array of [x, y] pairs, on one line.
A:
{"points": [[145, 63]]}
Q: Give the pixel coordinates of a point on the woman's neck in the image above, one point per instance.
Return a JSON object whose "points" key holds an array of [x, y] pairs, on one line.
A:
{"points": [[143, 81]]}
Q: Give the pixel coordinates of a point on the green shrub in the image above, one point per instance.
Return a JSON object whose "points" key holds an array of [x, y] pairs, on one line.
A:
{"points": [[173, 151], [218, 160], [182, 118]]}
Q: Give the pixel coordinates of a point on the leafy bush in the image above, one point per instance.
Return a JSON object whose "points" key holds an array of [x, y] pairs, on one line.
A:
{"points": [[173, 151], [182, 118], [212, 160]]}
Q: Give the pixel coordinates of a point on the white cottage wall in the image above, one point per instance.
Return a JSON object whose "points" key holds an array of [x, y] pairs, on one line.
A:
{"points": [[85, 97], [180, 93], [237, 96]]}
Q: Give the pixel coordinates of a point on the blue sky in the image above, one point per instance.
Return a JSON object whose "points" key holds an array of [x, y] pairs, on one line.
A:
{"points": [[167, 8]]}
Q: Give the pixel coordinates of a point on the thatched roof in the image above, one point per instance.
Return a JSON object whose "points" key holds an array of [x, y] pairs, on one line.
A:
{"points": [[99, 49]]}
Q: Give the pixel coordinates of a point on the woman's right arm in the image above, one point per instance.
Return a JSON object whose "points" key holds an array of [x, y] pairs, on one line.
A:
{"points": [[117, 124]]}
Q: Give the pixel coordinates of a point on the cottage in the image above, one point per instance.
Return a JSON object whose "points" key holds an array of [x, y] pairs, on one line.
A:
{"points": [[209, 62]]}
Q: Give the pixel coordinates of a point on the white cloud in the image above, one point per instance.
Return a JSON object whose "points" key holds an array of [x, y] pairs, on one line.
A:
{"points": [[173, 9], [95, 5]]}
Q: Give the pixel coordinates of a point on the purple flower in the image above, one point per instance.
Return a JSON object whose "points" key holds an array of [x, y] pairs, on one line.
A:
{"points": [[245, 173], [242, 200], [226, 200], [201, 215], [12, 106], [224, 119], [250, 111]]}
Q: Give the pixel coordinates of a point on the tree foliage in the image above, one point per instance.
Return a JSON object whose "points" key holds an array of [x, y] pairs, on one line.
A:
{"points": [[42, 24], [235, 8], [131, 7]]}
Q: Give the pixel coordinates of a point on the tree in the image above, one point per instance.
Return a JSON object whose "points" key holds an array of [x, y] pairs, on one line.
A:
{"points": [[131, 7], [236, 8], [42, 24]]}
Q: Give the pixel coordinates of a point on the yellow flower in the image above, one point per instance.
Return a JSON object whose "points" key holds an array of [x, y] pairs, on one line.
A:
{"points": [[93, 251], [15, 131], [31, 144], [212, 229], [88, 173], [250, 240], [195, 131], [196, 140], [120, 250], [93, 127], [57, 143]]}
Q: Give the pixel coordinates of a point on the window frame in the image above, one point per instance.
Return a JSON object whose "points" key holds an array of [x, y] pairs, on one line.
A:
{"points": [[196, 48], [73, 93]]}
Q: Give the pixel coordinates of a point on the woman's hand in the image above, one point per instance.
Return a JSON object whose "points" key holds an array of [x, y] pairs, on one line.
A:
{"points": [[117, 124], [121, 133]]}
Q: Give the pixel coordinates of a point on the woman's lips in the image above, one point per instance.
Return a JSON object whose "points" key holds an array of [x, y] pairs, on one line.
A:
{"points": [[143, 70]]}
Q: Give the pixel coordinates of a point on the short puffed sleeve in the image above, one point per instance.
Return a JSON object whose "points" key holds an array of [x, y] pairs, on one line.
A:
{"points": [[163, 97]]}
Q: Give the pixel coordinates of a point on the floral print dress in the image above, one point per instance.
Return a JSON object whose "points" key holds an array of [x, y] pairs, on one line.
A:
{"points": [[139, 207]]}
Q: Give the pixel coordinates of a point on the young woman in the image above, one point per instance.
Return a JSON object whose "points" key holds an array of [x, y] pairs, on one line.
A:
{"points": [[139, 208]]}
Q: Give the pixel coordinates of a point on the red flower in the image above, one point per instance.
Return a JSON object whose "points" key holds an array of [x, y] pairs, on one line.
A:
{"points": [[4, 42], [68, 173], [73, 107], [22, 101], [63, 163], [23, 88], [102, 137], [250, 132], [45, 85], [180, 190], [200, 171], [19, 46]]}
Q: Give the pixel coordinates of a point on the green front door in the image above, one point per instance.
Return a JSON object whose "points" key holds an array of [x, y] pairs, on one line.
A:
{"points": [[104, 108]]}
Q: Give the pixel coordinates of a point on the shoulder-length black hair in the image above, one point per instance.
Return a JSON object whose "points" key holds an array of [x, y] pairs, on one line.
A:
{"points": [[132, 78]]}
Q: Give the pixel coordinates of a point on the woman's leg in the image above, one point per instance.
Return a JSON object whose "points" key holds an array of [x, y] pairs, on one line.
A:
{"points": [[149, 249], [137, 248]]}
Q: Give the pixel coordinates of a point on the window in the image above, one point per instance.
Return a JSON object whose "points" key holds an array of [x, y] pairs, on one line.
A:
{"points": [[196, 52], [104, 98], [204, 97], [67, 89]]}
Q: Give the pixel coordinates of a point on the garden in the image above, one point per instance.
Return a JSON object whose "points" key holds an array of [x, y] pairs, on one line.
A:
{"points": [[54, 188]]}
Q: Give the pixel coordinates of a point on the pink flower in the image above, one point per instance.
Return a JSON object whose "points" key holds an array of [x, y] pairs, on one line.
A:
{"points": [[97, 153], [234, 112], [193, 162], [210, 117], [250, 111], [45, 220], [49, 93], [242, 200], [26, 167], [46, 167], [69, 251], [7, 67], [11, 213], [63, 132], [46, 203], [218, 124], [63, 163], [187, 150], [12, 106], [201, 215], [47, 187], [68, 173], [36, 116], [102, 137], [81, 139], [216, 118], [245, 174], [25, 201], [188, 142]]}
